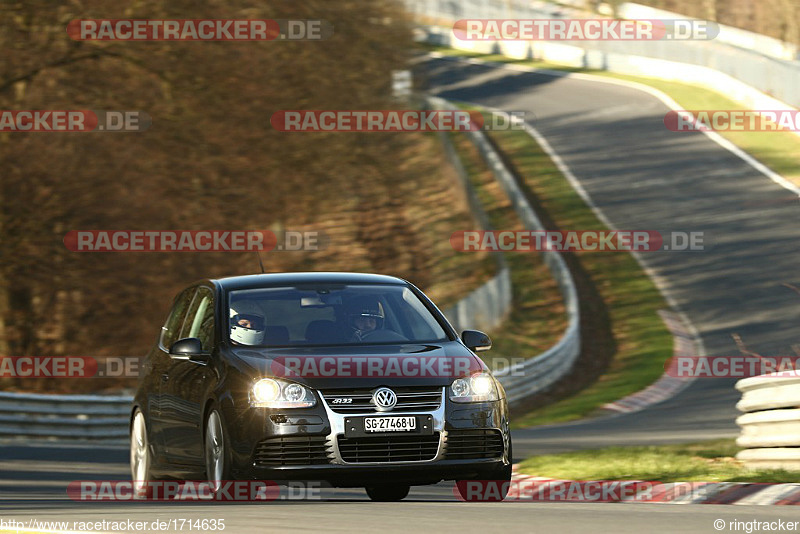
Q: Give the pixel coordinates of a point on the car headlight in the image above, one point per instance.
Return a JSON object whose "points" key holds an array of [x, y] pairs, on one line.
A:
{"points": [[477, 388], [273, 393]]}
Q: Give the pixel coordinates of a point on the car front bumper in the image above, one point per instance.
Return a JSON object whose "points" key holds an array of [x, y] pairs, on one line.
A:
{"points": [[467, 442]]}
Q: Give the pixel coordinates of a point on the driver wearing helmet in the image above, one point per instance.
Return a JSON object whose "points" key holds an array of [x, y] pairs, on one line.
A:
{"points": [[366, 316], [247, 324]]}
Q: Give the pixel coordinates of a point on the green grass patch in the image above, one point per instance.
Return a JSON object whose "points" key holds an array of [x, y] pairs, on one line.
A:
{"points": [[712, 461], [776, 150]]}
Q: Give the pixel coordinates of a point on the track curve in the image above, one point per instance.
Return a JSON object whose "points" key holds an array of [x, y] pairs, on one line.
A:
{"points": [[642, 177]]}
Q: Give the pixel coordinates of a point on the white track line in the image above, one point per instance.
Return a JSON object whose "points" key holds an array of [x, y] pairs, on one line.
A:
{"points": [[663, 97]]}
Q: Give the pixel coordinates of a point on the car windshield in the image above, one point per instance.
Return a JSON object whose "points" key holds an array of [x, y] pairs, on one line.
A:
{"points": [[330, 315]]}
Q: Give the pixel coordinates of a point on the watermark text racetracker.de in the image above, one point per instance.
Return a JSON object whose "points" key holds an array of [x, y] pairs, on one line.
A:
{"points": [[538, 489], [584, 29], [286, 367], [738, 120], [192, 240], [545, 490], [80, 120], [387, 367], [741, 366], [397, 120], [68, 367], [191, 490], [574, 241], [200, 30]]}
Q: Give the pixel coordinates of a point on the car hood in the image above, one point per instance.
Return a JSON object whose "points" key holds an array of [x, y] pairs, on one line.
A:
{"points": [[368, 366]]}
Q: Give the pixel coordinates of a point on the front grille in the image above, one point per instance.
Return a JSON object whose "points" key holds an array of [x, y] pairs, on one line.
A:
{"points": [[409, 399], [389, 448], [292, 450], [473, 444]]}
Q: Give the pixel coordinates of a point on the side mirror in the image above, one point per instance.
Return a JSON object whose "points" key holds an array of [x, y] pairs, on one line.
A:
{"points": [[475, 340], [186, 348]]}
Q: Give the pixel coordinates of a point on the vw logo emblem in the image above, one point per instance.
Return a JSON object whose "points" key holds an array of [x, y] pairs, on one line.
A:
{"points": [[384, 399]]}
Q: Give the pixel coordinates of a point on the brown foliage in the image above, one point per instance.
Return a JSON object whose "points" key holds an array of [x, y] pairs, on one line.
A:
{"points": [[209, 161]]}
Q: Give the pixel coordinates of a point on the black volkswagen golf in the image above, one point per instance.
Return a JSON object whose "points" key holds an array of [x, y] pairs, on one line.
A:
{"points": [[350, 379]]}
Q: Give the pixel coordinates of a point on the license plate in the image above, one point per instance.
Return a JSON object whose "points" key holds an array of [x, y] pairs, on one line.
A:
{"points": [[390, 424]]}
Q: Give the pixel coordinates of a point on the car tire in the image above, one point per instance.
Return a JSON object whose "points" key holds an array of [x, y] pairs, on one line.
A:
{"points": [[140, 457], [387, 493], [216, 451]]}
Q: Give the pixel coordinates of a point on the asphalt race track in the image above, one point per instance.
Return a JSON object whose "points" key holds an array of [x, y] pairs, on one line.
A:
{"points": [[645, 177], [641, 176], [34, 478]]}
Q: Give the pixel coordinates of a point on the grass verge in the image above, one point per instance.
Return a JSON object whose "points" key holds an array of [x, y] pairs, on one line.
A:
{"points": [[640, 341], [638, 344], [710, 461]]}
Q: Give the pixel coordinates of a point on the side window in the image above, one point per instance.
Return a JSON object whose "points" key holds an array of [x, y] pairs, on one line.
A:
{"points": [[206, 332], [172, 328], [199, 321]]}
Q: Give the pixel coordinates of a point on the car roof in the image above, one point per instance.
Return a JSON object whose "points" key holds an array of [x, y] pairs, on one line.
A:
{"points": [[289, 279]]}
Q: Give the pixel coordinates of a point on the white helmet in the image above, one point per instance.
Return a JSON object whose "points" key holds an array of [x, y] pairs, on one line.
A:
{"points": [[247, 324]]}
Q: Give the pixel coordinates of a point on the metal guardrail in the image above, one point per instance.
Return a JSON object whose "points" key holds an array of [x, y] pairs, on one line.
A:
{"points": [[737, 72], [751, 42], [64, 416], [771, 425], [487, 306]]}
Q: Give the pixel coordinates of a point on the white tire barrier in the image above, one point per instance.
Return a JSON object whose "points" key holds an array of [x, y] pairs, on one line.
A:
{"points": [[771, 425]]}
